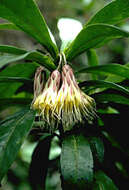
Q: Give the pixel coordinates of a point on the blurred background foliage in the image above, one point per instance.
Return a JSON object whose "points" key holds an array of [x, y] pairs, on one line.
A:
{"points": [[114, 52]]}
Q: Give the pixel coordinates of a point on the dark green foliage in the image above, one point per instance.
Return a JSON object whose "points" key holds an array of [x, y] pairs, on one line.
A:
{"points": [[113, 13], [94, 84], [108, 97], [25, 16], [13, 54], [76, 162], [12, 133], [97, 148], [116, 69], [93, 36], [92, 60], [103, 182], [40, 162], [7, 89]]}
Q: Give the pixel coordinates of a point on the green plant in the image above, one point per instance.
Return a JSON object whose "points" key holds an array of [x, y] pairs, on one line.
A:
{"points": [[82, 162]]}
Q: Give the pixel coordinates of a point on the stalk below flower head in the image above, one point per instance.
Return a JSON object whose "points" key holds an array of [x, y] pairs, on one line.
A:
{"points": [[62, 101]]}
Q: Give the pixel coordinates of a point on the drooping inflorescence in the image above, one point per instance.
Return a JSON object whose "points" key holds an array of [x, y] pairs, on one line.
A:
{"points": [[61, 99]]}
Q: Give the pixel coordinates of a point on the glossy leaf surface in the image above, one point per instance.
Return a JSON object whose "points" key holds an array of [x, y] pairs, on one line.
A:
{"points": [[11, 54], [116, 69], [28, 18], [25, 70], [12, 133], [116, 98], [93, 36], [112, 13], [93, 84], [76, 162]]}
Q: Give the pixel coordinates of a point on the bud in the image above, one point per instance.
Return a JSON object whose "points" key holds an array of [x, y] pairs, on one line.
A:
{"points": [[39, 81]]}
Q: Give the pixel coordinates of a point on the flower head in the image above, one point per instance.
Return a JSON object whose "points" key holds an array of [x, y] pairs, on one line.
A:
{"points": [[62, 100]]}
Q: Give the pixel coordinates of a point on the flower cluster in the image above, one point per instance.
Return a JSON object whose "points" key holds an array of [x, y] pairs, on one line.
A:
{"points": [[61, 100]]}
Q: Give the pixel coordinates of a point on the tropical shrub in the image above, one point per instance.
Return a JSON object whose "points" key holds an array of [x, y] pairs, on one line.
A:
{"points": [[93, 153]]}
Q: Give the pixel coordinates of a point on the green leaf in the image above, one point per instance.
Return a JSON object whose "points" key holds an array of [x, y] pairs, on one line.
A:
{"points": [[9, 58], [116, 98], [116, 69], [15, 79], [12, 133], [26, 16], [44, 60], [76, 162], [92, 60], [114, 142], [93, 36], [40, 163], [103, 182], [8, 26], [15, 101], [12, 50], [92, 57], [112, 13], [93, 84], [12, 54], [116, 78], [24, 70], [97, 148]]}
